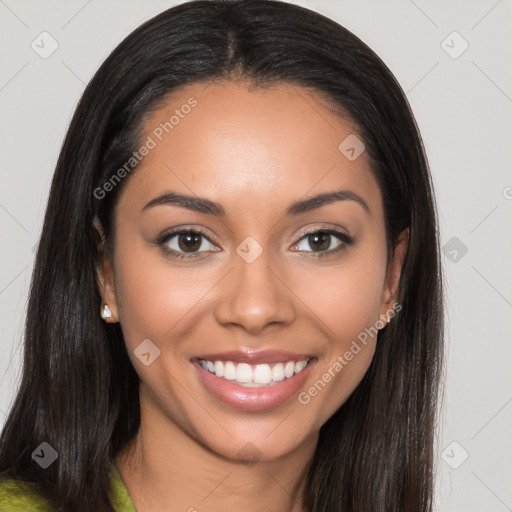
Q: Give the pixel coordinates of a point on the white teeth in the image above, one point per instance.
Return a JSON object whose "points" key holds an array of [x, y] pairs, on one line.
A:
{"points": [[289, 369], [219, 369], [278, 372], [262, 374], [254, 375], [243, 372], [229, 370], [299, 366]]}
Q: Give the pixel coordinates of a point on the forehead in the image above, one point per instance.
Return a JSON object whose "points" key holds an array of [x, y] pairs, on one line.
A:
{"points": [[250, 145]]}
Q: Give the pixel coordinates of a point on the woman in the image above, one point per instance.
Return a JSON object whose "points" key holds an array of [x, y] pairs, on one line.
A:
{"points": [[237, 296]]}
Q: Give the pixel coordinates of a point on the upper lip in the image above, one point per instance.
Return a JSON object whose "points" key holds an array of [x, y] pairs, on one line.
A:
{"points": [[255, 357]]}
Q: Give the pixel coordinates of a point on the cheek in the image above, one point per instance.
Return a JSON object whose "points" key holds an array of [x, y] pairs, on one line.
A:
{"points": [[152, 297], [347, 300], [344, 298], [360, 292]]}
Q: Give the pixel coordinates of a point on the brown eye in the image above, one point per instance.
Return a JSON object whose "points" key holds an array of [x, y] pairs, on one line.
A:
{"points": [[189, 242], [322, 242], [319, 241], [186, 243]]}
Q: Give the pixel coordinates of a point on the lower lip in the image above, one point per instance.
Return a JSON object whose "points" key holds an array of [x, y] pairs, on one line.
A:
{"points": [[253, 399]]}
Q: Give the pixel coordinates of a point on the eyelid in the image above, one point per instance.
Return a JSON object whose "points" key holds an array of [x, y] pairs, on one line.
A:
{"points": [[326, 228], [163, 240], [167, 235], [340, 233]]}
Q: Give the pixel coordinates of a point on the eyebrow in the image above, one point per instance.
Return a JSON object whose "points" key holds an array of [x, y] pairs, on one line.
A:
{"points": [[203, 205]]}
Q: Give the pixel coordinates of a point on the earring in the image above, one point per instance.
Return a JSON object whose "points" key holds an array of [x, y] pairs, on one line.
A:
{"points": [[106, 314], [388, 319]]}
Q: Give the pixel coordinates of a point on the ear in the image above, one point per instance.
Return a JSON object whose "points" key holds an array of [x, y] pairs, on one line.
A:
{"points": [[105, 276], [390, 291]]}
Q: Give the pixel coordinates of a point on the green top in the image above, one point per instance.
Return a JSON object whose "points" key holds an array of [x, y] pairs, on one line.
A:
{"points": [[17, 496]]}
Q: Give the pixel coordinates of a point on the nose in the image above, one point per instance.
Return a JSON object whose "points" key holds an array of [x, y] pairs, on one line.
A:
{"points": [[255, 295]]}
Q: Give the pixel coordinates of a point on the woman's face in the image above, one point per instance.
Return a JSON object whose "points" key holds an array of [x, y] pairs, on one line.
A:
{"points": [[248, 285]]}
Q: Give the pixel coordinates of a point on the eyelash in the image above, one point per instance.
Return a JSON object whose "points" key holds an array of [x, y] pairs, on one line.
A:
{"points": [[164, 239]]}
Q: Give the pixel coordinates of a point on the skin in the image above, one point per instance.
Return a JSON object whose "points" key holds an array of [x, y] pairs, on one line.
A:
{"points": [[255, 152]]}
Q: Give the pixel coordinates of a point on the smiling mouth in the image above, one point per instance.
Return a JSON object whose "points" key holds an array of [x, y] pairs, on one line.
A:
{"points": [[254, 375]]}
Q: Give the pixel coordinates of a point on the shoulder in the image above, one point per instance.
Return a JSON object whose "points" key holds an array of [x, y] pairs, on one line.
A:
{"points": [[18, 496]]}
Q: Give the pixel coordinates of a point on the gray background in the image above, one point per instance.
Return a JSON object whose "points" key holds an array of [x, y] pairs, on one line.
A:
{"points": [[463, 104]]}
